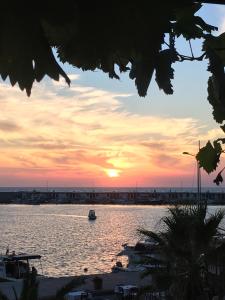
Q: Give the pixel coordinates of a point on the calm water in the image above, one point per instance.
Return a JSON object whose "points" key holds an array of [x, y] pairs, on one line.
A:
{"points": [[67, 241]]}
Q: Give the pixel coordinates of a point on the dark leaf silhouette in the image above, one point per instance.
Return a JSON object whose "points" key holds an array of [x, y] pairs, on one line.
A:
{"points": [[209, 156], [109, 36], [142, 72], [191, 26], [219, 178], [25, 54], [215, 51], [164, 71]]}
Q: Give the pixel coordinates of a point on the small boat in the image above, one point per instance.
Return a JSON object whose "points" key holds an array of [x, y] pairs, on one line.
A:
{"points": [[91, 215], [16, 266]]}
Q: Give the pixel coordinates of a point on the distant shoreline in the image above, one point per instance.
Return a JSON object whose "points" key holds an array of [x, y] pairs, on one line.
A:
{"points": [[111, 189], [121, 197]]}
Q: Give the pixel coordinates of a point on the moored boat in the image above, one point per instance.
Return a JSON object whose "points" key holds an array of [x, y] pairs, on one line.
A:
{"points": [[92, 215], [17, 266]]}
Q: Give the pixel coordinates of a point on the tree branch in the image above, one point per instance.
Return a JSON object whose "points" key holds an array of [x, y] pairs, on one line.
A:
{"points": [[222, 2]]}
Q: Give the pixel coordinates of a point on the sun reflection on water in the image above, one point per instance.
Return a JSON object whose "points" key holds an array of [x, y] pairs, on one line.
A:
{"points": [[67, 241]]}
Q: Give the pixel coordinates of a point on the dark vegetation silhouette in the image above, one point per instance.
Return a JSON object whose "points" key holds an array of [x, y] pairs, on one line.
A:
{"points": [[101, 35], [189, 243]]}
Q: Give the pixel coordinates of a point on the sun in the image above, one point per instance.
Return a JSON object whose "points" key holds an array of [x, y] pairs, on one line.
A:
{"points": [[112, 172]]}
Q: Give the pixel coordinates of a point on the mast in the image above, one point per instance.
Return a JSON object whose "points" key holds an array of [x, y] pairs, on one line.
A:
{"points": [[199, 183]]}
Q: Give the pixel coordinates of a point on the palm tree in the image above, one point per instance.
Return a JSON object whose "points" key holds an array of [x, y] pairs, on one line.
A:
{"points": [[185, 245]]}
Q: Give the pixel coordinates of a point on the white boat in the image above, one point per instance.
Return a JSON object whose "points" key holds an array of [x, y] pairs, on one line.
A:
{"points": [[17, 266], [143, 250], [92, 215]]}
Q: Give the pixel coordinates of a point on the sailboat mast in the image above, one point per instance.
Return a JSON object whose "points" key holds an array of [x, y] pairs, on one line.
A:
{"points": [[199, 185]]}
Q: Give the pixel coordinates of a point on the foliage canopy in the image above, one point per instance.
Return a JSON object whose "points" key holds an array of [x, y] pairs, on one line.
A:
{"points": [[102, 35]]}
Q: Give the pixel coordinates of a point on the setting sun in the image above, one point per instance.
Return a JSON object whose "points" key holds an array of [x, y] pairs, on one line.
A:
{"points": [[112, 173]]}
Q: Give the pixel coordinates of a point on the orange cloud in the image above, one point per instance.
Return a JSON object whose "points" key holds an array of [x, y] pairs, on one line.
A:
{"points": [[72, 136]]}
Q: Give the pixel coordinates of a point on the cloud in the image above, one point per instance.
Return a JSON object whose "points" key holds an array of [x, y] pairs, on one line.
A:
{"points": [[9, 126], [165, 161], [75, 134]]}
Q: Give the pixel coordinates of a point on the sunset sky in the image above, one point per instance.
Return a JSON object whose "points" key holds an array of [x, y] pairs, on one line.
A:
{"points": [[99, 132]]}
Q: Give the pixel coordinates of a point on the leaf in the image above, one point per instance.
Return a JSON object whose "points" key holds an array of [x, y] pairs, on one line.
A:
{"points": [[107, 66], [216, 83], [190, 26], [216, 44], [209, 156], [25, 53], [214, 98], [219, 178], [142, 72], [94, 35], [205, 27], [164, 71], [187, 10]]}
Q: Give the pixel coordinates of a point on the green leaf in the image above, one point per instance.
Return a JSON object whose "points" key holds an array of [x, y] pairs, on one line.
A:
{"points": [[209, 156]]}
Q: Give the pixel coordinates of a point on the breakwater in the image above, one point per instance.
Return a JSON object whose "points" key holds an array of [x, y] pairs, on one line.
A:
{"points": [[118, 197]]}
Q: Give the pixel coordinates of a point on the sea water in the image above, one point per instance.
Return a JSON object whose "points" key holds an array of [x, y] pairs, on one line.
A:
{"points": [[67, 241]]}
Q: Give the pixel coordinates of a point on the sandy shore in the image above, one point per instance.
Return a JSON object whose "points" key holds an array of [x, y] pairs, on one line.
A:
{"points": [[49, 286]]}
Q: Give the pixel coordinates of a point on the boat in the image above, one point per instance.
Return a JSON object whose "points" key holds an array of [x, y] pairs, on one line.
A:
{"points": [[16, 266], [92, 215], [143, 255]]}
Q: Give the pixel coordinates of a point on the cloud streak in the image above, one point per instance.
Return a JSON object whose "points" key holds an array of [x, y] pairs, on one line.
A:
{"points": [[72, 136]]}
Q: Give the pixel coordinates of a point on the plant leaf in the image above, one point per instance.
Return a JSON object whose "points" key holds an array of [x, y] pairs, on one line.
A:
{"points": [[209, 156], [219, 178], [188, 25], [215, 51], [164, 72]]}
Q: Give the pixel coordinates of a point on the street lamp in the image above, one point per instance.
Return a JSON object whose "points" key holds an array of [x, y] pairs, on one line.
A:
{"points": [[199, 183]]}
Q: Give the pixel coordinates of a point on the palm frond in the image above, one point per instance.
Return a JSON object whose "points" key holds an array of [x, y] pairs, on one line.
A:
{"points": [[150, 234], [186, 243]]}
